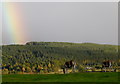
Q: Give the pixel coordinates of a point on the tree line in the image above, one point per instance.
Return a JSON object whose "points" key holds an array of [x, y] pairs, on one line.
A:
{"points": [[45, 57]]}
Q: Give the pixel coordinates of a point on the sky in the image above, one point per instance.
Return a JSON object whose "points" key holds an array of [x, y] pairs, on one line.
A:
{"points": [[79, 22]]}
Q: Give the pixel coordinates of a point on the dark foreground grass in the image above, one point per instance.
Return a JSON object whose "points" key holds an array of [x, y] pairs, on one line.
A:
{"points": [[74, 77]]}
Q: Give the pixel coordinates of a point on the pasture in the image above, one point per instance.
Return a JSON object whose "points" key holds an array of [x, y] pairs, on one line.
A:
{"points": [[72, 77]]}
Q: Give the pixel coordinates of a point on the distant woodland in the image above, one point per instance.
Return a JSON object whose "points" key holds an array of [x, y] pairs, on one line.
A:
{"points": [[45, 57]]}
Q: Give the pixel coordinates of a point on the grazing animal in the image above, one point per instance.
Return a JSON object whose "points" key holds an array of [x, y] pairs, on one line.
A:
{"points": [[106, 64], [68, 65]]}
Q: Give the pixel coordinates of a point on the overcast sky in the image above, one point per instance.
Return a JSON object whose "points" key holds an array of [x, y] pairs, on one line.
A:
{"points": [[69, 22]]}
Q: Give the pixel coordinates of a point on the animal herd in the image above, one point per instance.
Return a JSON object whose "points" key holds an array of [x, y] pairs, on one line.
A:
{"points": [[72, 65]]}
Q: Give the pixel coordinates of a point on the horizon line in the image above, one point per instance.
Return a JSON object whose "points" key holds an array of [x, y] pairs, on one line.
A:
{"points": [[58, 41]]}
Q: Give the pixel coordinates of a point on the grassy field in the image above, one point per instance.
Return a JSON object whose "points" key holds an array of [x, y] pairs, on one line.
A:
{"points": [[74, 77]]}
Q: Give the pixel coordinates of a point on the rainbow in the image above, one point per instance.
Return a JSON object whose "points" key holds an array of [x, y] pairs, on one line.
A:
{"points": [[14, 22]]}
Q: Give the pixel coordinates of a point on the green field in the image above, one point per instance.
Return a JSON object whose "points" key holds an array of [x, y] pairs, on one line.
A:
{"points": [[73, 77]]}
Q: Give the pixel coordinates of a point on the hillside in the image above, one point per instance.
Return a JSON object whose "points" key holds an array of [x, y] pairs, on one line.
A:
{"points": [[54, 54]]}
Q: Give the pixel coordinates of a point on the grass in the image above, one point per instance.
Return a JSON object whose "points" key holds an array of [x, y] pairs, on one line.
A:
{"points": [[73, 77]]}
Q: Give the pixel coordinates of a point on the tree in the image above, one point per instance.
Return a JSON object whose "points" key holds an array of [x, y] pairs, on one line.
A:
{"points": [[23, 69], [5, 71], [28, 69]]}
